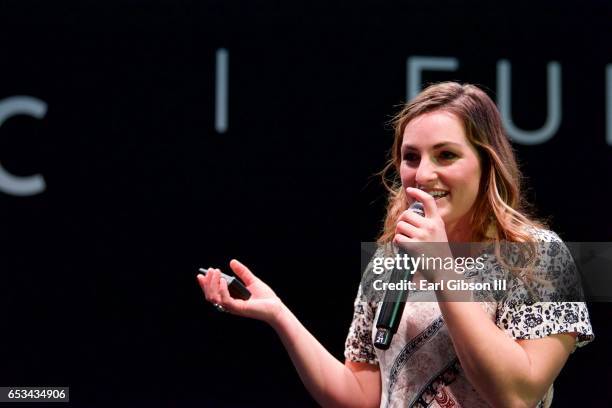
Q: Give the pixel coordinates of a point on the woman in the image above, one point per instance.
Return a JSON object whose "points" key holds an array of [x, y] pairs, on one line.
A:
{"points": [[451, 154]]}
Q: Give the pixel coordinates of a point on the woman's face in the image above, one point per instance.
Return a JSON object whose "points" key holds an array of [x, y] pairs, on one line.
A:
{"points": [[438, 158]]}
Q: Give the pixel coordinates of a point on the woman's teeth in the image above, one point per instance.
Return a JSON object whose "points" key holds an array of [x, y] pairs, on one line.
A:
{"points": [[438, 194]]}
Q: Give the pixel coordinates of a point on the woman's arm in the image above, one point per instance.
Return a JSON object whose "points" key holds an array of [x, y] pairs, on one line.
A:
{"points": [[506, 372], [331, 383]]}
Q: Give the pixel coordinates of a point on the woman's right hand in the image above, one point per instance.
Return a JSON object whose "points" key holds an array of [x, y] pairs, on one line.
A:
{"points": [[262, 305]]}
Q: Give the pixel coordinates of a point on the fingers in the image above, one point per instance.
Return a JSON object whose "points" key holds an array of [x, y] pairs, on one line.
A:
{"points": [[227, 301], [407, 234], [216, 291], [431, 208], [204, 281], [413, 227], [210, 284], [242, 272], [406, 229], [413, 218], [215, 287], [402, 240]]}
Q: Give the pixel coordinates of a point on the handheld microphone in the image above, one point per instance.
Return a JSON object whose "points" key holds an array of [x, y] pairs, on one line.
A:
{"points": [[394, 301]]}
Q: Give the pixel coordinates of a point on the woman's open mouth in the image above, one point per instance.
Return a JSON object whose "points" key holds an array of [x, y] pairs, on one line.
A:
{"points": [[438, 194]]}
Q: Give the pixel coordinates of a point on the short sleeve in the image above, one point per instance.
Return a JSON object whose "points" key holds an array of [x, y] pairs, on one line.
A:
{"points": [[541, 319], [358, 346], [552, 305]]}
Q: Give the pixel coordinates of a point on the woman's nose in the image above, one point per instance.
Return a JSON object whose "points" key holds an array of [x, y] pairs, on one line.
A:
{"points": [[426, 172]]}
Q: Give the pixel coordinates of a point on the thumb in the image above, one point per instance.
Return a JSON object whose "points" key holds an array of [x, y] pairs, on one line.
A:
{"points": [[242, 272]]}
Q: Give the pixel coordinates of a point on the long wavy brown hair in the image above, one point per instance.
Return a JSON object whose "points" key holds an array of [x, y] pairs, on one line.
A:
{"points": [[500, 211]]}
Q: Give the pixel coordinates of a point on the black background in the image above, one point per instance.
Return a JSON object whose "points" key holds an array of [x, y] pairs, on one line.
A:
{"points": [[99, 291]]}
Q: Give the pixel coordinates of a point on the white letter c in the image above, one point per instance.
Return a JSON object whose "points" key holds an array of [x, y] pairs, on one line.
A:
{"points": [[9, 183]]}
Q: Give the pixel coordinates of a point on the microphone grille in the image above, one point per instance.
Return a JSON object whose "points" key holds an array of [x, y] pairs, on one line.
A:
{"points": [[418, 208]]}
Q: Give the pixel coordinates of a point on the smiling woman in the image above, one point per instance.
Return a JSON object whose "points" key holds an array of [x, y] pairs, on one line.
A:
{"points": [[451, 154]]}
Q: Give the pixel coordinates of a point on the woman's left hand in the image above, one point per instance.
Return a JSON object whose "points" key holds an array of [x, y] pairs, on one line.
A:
{"points": [[422, 235]]}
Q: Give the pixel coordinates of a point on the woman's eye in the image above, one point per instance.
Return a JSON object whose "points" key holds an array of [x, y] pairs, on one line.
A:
{"points": [[447, 155], [410, 156]]}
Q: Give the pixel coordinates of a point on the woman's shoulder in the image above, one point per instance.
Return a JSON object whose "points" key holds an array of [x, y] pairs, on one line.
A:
{"points": [[540, 234], [550, 246]]}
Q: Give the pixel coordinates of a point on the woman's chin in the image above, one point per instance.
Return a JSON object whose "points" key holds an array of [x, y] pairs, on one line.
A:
{"points": [[442, 204]]}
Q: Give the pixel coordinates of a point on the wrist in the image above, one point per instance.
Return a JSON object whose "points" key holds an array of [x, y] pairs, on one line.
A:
{"points": [[278, 317]]}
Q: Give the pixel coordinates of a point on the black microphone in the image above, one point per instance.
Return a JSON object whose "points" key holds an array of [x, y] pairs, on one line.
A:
{"points": [[394, 301]]}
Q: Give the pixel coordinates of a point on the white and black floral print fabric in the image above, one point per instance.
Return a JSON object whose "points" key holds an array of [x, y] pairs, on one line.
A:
{"points": [[522, 316]]}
